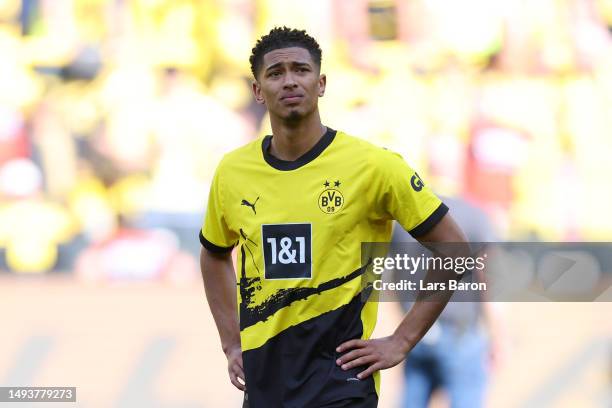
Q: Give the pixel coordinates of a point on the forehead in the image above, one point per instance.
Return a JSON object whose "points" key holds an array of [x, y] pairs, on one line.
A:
{"points": [[287, 55]]}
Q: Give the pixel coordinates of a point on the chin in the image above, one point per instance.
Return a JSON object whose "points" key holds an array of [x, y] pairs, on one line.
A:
{"points": [[294, 115]]}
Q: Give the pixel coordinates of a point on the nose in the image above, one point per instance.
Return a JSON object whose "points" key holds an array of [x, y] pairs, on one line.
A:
{"points": [[289, 80]]}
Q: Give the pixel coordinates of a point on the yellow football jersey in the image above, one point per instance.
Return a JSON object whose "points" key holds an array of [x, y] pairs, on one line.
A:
{"points": [[298, 226]]}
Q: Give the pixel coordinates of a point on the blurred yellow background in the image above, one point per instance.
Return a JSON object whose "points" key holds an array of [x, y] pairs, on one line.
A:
{"points": [[114, 115]]}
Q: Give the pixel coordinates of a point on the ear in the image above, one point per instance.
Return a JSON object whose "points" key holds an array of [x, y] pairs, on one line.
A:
{"points": [[257, 92], [322, 83]]}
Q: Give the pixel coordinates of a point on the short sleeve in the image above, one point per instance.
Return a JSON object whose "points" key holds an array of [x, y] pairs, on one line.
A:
{"points": [[215, 234], [405, 197]]}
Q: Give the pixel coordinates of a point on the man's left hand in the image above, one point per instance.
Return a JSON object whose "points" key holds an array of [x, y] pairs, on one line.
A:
{"points": [[385, 352]]}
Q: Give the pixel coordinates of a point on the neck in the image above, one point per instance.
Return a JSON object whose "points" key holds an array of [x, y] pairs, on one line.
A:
{"points": [[292, 139]]}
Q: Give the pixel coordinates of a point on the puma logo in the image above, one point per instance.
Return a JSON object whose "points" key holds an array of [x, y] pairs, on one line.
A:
{"points": [[245, 202]]}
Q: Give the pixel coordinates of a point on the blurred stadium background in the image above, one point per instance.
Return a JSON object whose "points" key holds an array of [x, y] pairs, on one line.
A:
{"points": [[114, 114]]}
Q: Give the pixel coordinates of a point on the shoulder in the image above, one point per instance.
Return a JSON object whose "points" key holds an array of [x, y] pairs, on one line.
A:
{"points": [[364, 149], [373, 160], [233, 159]]}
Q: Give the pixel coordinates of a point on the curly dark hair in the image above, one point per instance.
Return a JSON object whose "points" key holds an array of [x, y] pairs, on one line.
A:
{"points": [[283, 37]]}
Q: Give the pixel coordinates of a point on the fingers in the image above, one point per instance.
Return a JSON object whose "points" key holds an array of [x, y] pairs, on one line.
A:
{"points": [[237, 384], [236, 373], [359, 362], [375, 353], [351, 355], [355, 343], [240, 374], [370, 370], [235, 376]]}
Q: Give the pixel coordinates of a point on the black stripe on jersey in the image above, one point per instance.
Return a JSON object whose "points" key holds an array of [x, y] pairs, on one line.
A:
{"points": [[431, 221], [304, 159], [297, 367], [212, 247], [283, 297]]}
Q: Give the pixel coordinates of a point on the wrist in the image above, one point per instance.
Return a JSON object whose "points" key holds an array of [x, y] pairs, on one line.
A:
{"points": [[230, 347], [403, 342]]}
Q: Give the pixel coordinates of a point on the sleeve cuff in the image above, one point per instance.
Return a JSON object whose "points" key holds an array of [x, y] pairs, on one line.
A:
{"points": [[212, 247], [431, 221]]}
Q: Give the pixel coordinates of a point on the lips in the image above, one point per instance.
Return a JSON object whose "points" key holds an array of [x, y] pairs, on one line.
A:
{"points": [[291, 98]]}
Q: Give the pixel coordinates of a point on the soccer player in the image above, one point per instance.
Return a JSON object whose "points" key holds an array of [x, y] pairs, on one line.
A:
{"points": [[293, 321]]}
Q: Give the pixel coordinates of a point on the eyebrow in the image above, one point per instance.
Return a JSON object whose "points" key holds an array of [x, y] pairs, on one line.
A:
{"points": [[295, 63]]}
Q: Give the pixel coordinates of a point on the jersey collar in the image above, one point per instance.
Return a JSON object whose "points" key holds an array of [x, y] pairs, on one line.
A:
{"points": [[304, 159]]}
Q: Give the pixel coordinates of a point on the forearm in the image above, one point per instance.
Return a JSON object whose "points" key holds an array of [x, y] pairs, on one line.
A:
{"points": [[220, 286], [424, 312], [446, 240]]}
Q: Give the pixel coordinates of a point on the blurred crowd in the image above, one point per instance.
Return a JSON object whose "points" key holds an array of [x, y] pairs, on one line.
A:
{"points": [[114, 114]]}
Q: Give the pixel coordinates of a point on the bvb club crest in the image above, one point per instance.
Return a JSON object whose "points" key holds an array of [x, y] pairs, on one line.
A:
{"points": [[331, 199]]}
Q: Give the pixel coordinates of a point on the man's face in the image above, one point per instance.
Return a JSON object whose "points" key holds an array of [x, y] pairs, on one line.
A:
{"points": [[289, 83]]}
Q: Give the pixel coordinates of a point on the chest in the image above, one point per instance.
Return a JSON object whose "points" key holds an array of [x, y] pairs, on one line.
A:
{"points": [[330, 199]]}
